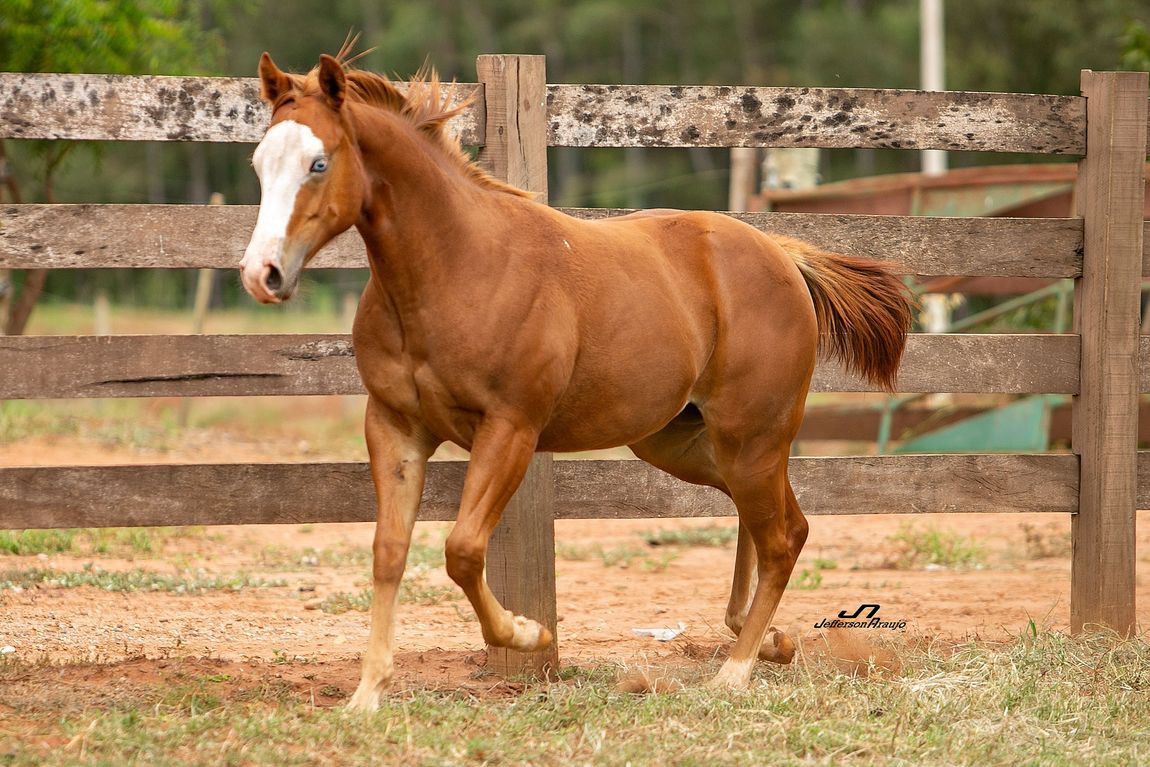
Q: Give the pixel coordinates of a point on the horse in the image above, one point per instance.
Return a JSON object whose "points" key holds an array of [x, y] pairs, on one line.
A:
{"points": [[504, 326]]}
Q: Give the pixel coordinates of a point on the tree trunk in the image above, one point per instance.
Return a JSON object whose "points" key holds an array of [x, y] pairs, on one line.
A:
{"points": [[16, 309]]}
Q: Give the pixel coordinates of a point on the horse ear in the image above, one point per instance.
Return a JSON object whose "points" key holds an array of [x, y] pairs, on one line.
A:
{"points": [[273, 82], [332, 80]]}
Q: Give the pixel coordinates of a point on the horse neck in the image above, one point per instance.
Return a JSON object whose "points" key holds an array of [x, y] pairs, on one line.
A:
{"points": [[419, 203]]}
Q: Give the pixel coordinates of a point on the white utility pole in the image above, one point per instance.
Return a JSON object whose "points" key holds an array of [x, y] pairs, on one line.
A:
{"points": [[933, 71]]}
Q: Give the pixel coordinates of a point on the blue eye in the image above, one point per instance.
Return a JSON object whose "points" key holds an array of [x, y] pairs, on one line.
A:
{"points": [[319, 165]]}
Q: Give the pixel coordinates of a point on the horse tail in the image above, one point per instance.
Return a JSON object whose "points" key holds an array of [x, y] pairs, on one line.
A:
{"points": [[862, 307]]}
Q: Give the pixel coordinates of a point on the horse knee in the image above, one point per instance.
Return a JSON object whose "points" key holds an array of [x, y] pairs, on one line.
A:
{"points": [[388, 561], [465, 559], [797, 529]]}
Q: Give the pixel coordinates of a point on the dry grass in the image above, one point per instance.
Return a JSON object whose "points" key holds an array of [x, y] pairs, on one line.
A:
{"points": [[1045, 699]]}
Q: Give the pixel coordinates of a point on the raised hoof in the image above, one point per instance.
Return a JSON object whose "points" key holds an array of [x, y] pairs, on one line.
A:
{"points": [[777, 647], [529, 635]]}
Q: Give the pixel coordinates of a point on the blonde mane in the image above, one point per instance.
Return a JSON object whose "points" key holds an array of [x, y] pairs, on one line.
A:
{"points": [[425, 106]]}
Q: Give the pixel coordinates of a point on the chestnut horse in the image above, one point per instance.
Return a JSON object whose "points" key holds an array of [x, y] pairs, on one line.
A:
{"points": [[507, 327]]}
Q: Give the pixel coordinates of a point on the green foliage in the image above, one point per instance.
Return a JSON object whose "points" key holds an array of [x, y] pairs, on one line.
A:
{"points": [[1136, 46], [109, 36]]}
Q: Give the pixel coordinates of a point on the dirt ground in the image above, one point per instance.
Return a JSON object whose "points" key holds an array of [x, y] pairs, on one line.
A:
{"points": [[609, 580]]}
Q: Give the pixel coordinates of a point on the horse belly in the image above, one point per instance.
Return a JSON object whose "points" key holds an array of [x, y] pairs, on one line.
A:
{"points": [[611, 402]]}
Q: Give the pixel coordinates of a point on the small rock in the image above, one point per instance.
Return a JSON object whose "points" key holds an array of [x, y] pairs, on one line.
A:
{"points": [[7, 649]]}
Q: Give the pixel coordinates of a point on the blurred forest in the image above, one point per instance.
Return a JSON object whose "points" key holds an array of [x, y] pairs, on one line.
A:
{"points": [[991, 45]]}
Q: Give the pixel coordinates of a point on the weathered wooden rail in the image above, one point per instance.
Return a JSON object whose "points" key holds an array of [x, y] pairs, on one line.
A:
{"points": [[514, 117]]}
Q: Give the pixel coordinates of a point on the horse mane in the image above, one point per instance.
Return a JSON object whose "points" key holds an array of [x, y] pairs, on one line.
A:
{"points": [[425, 106]]}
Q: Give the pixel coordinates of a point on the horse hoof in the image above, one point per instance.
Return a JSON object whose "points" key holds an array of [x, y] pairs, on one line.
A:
{"points": [[734, 675], [529, 635], [777, 647], [366, 699]]}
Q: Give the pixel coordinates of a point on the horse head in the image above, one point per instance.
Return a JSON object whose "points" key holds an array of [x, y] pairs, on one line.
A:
{"points": [[312, 181]]}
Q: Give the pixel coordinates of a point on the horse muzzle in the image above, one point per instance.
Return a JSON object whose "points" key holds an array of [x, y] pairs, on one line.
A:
{"points": [[271, 280]]}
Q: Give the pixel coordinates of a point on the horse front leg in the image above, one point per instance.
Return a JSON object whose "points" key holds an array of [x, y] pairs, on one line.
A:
{"points": [[500, 455], [398, 454]]}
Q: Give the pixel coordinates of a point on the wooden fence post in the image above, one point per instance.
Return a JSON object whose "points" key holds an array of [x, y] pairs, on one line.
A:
{"points": [[521, 559], [1112, 187]]}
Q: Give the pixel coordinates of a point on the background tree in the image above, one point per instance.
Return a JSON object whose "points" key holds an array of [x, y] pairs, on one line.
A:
{"points": [[94, 36]]}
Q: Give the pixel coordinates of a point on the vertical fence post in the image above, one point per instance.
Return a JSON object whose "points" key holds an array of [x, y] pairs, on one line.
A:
{"points": [[1112, 184], [521, 559]]}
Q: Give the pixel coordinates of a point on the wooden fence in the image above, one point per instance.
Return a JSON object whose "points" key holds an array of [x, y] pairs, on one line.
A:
{"points": [[514, 118]]}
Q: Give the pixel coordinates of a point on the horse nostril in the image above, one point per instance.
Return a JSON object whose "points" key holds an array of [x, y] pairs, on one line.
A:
{"points": [[274, 279]]}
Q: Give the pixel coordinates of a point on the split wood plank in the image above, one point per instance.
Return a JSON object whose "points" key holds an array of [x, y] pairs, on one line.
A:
{"points": [[56, 367], [214, 237], [1107, 304], [307, 493]]}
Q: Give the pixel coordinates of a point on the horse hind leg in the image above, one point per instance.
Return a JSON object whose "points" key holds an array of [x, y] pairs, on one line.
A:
{"points": [[772, 521], [684, 450], [777, 647]]}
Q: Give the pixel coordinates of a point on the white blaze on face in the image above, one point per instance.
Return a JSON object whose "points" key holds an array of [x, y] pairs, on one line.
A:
{"points": [[283, 162]]}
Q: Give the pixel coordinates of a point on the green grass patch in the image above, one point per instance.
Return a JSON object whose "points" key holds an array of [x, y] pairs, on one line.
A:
{"points": [[183, 582], [811, 578], [1046, 700], [806, 580], [420, 555], [623, 557], [101, 541], [343, 602], [917, 548], [109, 423], [413, 589], [28, 542], [284, 558], [711, 535]]}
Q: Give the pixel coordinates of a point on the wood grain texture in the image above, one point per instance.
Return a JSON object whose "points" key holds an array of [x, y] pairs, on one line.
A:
{"points": [[153, 108], [214, 237], [156, 108], [143, 236], [713, 116], [952, 362], [1107, 305], [521, 557], [54, 367], [242, 494]]}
